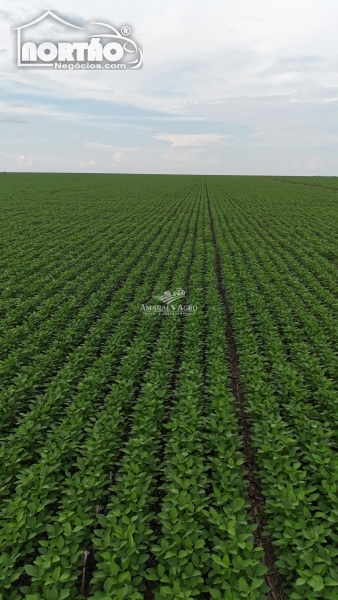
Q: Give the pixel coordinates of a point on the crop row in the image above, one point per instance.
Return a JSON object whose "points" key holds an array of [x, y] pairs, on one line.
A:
{"points": [[89, 329], [39, 484], [295, 449]]}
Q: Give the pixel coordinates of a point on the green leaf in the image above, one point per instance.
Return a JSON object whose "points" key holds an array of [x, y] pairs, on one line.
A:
{"points": [[316, 582], [242, 584], [214, 593], [257, 583], [114, 569], [261, 570], [56, 573], [108, 584], [226, 560], [164, 589], [160, 570], [54, 594], [30, 570]]}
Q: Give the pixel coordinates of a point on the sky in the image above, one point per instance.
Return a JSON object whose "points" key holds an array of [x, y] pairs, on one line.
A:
{"points": [[227, 87]]}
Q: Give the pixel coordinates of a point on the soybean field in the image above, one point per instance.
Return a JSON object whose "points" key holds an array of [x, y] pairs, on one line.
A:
{"points": [[169, 387]]}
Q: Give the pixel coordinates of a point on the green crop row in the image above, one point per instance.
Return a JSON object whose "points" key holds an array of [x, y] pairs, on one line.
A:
{"points": [[295, 450], [72, 529], [124, 469], [38, 485], [15, 398]]}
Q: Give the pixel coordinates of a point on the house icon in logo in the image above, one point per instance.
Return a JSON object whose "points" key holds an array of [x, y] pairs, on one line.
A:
{"points": [[24, 48]]}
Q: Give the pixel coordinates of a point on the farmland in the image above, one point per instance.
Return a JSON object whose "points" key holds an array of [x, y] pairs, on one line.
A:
{"points": [[166, 455]]}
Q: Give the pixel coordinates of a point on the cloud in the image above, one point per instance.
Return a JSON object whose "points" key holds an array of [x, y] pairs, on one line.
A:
{"points": [[89, 163], [23, 161], [286, 120], [202, 139], [296, 63], [108, 148], [265, 73], [310, 164], [116, 153], [13, 118]]}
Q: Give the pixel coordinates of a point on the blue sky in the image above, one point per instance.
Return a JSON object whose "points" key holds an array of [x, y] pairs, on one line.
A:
{"points": [[229, 88]]}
